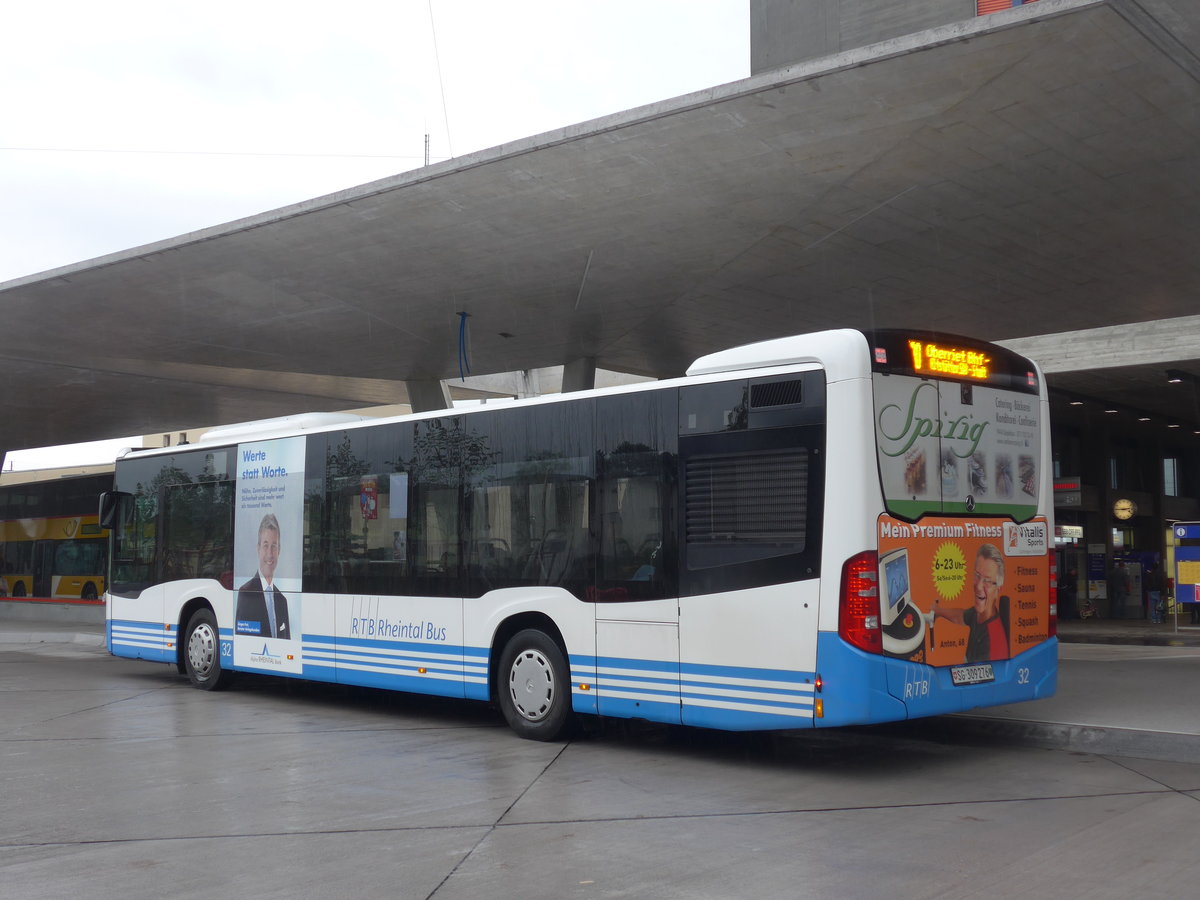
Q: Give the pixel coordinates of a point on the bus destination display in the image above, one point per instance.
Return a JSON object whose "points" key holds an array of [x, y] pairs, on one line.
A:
{"points": [[938, 359], [941, 356]]}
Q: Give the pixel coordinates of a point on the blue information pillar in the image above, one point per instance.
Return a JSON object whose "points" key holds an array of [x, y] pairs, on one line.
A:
{"points": [[1187, 560]]}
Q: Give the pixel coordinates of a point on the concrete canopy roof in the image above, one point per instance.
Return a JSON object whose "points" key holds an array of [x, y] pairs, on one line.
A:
{"points": [[1019, 174]]}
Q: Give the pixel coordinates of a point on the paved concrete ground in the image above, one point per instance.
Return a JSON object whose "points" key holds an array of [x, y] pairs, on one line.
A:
{"points": [[119, 780], [1175, 632], [1126, 687]]}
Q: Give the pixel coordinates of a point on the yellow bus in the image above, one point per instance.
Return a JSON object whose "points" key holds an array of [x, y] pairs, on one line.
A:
{"points": [[51, 544]]}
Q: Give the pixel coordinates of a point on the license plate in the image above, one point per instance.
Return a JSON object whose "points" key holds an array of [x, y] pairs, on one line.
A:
{"points": [[972, 674]]}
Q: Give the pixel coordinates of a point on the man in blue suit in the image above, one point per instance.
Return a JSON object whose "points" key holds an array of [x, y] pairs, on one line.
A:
{"points": [[262, 609]]}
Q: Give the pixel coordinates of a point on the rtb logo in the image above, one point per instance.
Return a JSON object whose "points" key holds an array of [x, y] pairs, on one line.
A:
{"points": [[916, 689]]}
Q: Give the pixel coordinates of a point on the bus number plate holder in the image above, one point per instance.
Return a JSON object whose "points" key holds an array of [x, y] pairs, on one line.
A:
{"points": [[978, 674]]}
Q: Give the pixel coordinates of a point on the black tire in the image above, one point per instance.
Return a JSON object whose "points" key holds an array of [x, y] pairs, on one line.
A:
{"points": [[19, 589], [89, 592], [534, 686], [202, 652]]}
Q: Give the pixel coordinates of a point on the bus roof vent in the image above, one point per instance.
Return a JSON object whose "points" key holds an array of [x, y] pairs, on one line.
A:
{"points": [[777, 393]]}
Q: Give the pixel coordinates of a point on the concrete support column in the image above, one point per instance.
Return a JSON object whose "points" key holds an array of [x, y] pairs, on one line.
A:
{"points": [[428, 396], [531, 384], [579, 375]]}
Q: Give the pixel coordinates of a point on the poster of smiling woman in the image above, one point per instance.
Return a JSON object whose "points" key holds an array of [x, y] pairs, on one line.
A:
{"points": [[269, 523]]}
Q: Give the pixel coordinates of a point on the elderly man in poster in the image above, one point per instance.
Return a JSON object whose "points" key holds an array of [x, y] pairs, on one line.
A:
{"points": [[262, 609], [987, 618]]}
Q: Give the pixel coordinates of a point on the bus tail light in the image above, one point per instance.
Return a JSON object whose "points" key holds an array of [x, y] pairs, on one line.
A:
{"points": [[858, 606], [1052, 628]]}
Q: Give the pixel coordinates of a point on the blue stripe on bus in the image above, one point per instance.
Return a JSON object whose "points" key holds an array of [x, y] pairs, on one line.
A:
{"points": [[472, 656], [741, 720], [670, 666], [757, 688], [802, 702], [388, 645], [731, 697], [385, 659], [395, 681], [319, 673], [789, 675], [449, 670], [651, 711], [134, 639], [610, 677]]}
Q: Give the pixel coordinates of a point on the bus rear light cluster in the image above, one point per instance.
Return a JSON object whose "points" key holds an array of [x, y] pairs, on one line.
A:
{"points": [[858, 607]]}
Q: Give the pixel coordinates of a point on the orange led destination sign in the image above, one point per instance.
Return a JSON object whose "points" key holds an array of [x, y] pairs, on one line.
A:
{"points": [[943, 359], [931, 354]]}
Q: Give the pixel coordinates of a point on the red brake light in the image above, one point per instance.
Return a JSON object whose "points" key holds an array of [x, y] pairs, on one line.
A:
{"points": [[858, 610]]}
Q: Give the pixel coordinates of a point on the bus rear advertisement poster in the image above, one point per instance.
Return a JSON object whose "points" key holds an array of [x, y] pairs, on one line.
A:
{"points": [[963, 590], [948, 447]]}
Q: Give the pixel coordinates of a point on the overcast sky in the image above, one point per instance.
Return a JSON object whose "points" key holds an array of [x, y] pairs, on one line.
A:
{"points": [[127, 122], [131, 121]]}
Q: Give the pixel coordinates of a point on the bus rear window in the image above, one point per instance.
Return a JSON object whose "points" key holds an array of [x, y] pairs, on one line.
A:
{"points": [[955, 447]]}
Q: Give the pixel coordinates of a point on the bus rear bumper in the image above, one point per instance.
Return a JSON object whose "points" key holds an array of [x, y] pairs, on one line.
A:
{"points": [[861, 688]]}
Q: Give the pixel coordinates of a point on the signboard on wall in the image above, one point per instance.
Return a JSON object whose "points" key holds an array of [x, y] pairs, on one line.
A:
{"points": [[1187, 561]]}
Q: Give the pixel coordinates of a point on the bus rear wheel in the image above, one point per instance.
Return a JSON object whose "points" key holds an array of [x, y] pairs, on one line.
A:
{"points": [[202, 652], [535, 686]]}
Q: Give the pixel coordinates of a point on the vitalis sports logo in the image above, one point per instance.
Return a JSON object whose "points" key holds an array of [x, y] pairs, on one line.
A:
{"points": [[1026, 539]]}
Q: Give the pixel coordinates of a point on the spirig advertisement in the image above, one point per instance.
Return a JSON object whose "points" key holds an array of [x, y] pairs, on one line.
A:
{"points": [[955, 592], [267, 556], [956, 447]]}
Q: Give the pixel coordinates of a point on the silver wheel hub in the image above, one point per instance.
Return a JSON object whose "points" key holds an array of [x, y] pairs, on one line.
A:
{"points": [[531, 685], [202, 649]]}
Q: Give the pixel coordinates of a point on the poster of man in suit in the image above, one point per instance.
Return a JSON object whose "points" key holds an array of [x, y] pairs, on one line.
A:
{"points": [[262, 608], [267, 555]]}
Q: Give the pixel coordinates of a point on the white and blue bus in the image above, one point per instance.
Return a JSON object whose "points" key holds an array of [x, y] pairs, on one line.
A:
{"points": [[819, 530]]}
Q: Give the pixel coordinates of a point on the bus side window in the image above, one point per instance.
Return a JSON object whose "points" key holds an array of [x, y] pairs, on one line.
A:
{"points": [[197, 538], [631, 537], [131, 518]]}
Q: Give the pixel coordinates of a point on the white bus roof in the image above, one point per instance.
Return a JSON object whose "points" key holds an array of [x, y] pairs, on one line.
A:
{"points": [[277, 427], [836, 350]]}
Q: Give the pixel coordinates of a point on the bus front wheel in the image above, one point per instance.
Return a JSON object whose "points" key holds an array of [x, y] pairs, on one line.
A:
{"points": [[535, 686], [202, 652]]}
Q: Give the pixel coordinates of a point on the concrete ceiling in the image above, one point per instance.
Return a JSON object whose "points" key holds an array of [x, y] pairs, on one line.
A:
{"points": [[1019, 174]]}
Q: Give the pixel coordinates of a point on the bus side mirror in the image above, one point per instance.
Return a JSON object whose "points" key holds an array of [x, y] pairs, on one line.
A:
{"points": [[110, 508]]}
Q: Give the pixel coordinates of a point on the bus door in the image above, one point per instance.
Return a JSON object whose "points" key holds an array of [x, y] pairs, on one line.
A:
{"points": [[637, 619], [636, 591], [637, 658], [43, 568]]}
